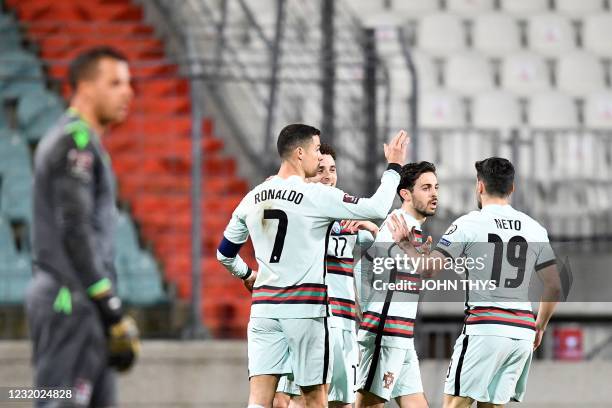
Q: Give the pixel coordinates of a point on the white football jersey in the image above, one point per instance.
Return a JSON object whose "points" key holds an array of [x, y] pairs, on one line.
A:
{"points": [[289, 222], [506, 246], [342, 248], [390, 314]]}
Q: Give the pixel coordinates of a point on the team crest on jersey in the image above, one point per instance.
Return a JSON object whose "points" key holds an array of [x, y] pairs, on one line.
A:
{"points": [[80, 163], [451, 229], [350, 199], [82, 391], [388, 379]]}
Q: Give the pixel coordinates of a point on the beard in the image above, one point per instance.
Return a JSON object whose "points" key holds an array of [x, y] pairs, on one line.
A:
{"points": [[422, 210], [479, 203]]}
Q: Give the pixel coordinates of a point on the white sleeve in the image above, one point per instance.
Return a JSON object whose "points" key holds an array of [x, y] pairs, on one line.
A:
{"points": [[455, 240], [365, 239], [335, 204], [546, 255], [234, 236]]}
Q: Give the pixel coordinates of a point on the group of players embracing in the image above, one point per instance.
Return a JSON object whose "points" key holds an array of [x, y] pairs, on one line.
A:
{"points": [[317, 337]]}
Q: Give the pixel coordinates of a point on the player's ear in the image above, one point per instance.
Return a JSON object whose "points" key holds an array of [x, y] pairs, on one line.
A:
{"points": [[299, 152], [512, 189], [405, 194], [480, 187]]}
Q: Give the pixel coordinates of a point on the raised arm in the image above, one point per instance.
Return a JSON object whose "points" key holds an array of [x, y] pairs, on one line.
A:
{"points": [[338, 205]]}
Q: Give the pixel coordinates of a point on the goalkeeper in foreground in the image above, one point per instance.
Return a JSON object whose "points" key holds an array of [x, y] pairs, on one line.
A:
{"points": [[79, 333]]}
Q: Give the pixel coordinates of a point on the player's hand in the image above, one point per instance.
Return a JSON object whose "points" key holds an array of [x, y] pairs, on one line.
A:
{"points": [[123, 344], [401, 233], [538, 337], [353, 226], [427, 246], [395, 151], [250, 281]]}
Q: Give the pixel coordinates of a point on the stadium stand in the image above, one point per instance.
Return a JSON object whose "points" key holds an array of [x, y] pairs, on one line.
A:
{"points": [[151, 155], [56, 32], [530, 66]]}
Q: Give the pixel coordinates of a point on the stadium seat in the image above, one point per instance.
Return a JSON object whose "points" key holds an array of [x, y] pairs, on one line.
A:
{"points": [[399, 115], [143, 265], [126, 241], [15, 276], [468, 74], [410, 9], [401, 81], [143, 280], [525, 73], [14, 154], [385, 27], [496, 110], [551, 34], [577, 9], [10, 39], [598, 110], [441, 34], [37, 112], [146, 291], [496, 34], [7, 242], [441, 109], [579, 74], [552, 110], [16, 199], [596, 34], [123, 285], [20, 72], [584, 157], [366, 7], [427, 71], [455, 151], [469, 8], [524, 8]]}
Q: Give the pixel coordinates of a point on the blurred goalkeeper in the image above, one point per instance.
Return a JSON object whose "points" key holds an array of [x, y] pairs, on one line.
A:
{"points": [[80, 335]]}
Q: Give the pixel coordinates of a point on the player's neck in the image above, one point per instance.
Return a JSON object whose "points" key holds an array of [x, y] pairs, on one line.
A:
{"points": [[87, 114], [411, 211], [488, 200], [288, 169]]}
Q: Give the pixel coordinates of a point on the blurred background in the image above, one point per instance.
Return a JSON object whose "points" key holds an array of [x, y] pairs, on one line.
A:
{"points": [[216, 80]]}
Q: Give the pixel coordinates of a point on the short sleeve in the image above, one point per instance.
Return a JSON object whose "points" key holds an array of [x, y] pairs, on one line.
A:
{"points": [[454, 241]]}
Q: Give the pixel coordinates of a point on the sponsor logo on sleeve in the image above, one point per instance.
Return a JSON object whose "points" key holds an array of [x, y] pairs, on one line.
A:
{"points": [[444, 242], [350, 199]]}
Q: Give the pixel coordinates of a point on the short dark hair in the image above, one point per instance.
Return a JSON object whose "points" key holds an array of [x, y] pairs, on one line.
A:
{"points": [[84, 65], [327, 149], [411, 172], [497, 174], [293, 136]]}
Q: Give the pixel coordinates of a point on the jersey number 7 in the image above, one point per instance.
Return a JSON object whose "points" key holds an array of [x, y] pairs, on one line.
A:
{"points": [[279, 241]]}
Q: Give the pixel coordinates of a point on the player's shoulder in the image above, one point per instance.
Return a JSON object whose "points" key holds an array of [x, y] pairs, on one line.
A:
{"points": [[470, 218], [68, 140], [532, 224], [466, 223]]}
